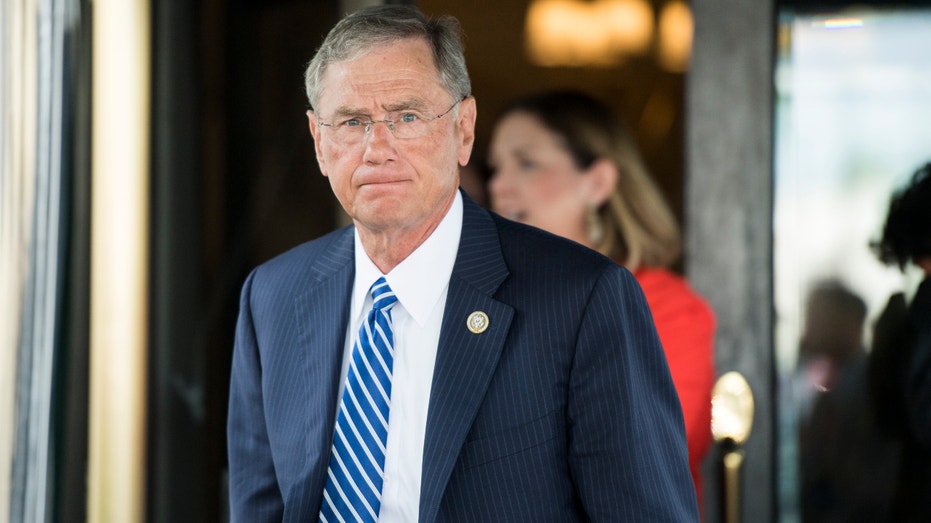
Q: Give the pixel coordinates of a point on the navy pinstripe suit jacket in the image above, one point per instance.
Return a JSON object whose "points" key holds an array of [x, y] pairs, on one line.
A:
{"points": [[563, 410]]}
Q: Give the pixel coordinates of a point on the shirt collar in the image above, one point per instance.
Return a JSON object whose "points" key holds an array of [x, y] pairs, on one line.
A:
{"points": [[420, 279]]}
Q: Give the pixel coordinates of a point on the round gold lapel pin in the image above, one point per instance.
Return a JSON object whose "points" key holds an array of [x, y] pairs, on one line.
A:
{"points": [[477, 322]]}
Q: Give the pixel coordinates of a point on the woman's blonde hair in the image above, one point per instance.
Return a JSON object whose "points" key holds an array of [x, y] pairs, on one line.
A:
{"points": [[639, 228]]}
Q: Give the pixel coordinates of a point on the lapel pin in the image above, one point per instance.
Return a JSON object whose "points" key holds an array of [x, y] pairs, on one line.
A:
{"points": [[477, 322]]}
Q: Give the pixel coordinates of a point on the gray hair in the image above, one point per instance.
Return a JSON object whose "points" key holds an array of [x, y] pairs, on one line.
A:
{"points": [[371, 27]]}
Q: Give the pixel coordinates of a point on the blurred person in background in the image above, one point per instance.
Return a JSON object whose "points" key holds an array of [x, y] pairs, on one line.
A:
{"points": [[847, 466], [832, 341], [562, 161], [900, 361]]}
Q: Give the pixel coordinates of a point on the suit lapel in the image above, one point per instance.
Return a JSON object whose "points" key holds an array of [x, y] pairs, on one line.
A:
{"points": [[321, 339], [465, 361]]}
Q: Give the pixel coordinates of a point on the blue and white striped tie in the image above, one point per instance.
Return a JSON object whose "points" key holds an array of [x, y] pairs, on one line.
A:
{"points": [[357, 459]]}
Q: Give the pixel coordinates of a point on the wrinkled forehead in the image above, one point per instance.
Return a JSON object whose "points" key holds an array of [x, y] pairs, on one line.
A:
{"points": [[399, 72]]}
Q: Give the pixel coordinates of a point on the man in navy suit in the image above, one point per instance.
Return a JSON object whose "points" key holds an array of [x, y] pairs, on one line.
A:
{"points": [[528, 381]]}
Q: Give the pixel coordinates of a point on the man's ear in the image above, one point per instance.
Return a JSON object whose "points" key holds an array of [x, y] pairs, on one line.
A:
{"points": [[315, 133], [466, 128], [602, 179]]}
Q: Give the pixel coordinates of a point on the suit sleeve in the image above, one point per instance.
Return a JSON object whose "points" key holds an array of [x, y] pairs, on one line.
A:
{"points": [[685, 325], [254, 492], [628, 453]]}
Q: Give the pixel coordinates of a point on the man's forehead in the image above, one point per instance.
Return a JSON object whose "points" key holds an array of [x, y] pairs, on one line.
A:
{"points": [[392, 90], [362, 101]]}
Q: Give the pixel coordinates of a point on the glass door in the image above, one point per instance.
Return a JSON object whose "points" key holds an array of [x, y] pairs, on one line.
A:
{"points": [[851, 123]]}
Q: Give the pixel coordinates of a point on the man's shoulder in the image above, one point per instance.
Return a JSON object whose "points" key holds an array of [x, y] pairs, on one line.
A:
{"points": [[327, 253], [539, 247], [494, 249], [537, 257]]}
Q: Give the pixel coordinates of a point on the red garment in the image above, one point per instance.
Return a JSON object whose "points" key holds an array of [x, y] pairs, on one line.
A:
{"points": [[685, 324]]}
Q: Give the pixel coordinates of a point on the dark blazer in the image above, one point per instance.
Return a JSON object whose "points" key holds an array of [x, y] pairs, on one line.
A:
{"points": [[562, 410]]}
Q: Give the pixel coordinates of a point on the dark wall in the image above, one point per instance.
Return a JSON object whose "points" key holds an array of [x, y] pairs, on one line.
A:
{"points": [[234, 183]]}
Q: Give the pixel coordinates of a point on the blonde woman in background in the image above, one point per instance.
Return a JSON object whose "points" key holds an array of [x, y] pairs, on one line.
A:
{"points": [[562, 161]]}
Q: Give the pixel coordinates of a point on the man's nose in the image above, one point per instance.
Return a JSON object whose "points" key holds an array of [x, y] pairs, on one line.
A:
{"points": [[372, 128], [378, 142]]}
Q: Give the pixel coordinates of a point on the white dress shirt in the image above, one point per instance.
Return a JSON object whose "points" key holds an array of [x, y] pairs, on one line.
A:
{"points": [[420, 283]]}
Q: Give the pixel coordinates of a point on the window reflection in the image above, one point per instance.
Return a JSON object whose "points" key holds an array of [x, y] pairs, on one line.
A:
{"points": [[853, 102]]}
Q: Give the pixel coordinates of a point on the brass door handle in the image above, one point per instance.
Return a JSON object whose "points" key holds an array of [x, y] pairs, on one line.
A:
{"points": [[731, 421], [731, 408]]}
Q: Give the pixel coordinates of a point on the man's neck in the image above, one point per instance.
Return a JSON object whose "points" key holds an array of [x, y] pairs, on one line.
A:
{"points": [[389, 247]]}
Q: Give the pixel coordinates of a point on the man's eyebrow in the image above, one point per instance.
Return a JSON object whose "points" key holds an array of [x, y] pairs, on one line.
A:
{"points": [[411, 103], [349, 111]]}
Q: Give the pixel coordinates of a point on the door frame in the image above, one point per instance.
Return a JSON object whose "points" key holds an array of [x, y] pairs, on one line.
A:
{"points": [[729, 219]]}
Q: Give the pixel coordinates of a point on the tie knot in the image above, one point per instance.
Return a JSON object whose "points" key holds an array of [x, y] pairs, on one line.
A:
{"points": [[383, 295]]}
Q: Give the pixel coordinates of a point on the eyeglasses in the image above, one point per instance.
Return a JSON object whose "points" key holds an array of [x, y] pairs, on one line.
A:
{"points": [[405, 125]]}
